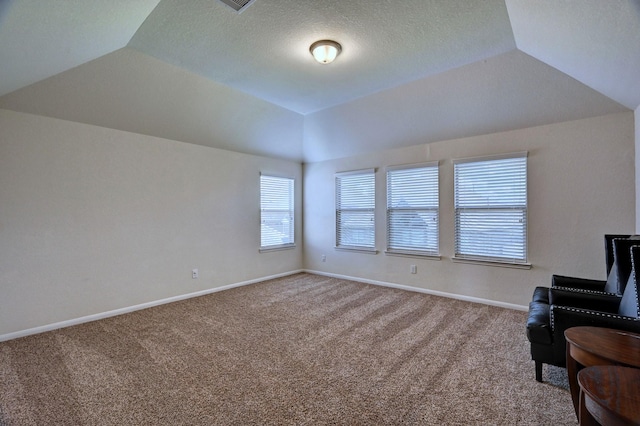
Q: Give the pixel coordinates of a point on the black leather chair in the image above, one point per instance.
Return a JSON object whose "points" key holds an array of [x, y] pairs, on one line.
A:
{"points": [[547, 322], [618, 263], [609, 255]]}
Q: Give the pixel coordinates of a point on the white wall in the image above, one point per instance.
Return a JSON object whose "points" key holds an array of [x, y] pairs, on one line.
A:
{"points": [[506, 92], [581, 186], [94, 219], [128, 90], [637, 128]]}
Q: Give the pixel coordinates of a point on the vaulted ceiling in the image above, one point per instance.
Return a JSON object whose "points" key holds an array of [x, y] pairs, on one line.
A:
{"points": [[199, 72]]}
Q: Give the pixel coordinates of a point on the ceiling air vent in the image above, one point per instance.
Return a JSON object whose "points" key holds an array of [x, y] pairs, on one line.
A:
{"points": [[238, 5]]}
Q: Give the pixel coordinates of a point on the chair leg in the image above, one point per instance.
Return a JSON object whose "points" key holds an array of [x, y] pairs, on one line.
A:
{"points": [[538, 371]]}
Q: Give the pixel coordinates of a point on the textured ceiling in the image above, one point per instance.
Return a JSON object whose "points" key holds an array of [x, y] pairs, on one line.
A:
{"points": [[197, 71], [264, 51]]}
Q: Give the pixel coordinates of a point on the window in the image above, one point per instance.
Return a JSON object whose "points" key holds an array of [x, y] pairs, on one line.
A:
{"points": [[491, 209], [412, 209], [276, 212], [355, 210]]}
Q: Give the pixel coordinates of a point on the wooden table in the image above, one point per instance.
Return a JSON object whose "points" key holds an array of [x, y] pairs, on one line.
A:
{"points": [[589, 346], [609, 395]]}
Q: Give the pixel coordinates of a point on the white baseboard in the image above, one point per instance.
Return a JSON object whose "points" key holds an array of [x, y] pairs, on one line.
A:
{"points": [[424, 290], [102, 315]]}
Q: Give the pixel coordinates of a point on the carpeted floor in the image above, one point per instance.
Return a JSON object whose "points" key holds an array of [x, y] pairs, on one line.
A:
{"points": [[300, 350]]}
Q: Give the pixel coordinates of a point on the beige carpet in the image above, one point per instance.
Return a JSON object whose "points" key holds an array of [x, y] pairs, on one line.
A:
{"points": [[301, 350]]}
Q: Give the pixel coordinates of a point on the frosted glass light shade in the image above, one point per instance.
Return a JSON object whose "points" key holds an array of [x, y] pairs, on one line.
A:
{"points": [[325, 51]]}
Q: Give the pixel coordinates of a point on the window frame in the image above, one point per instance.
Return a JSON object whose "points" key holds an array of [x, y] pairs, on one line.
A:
{"points": [[422, 206], [513, 209], [368, 208], [289, 199]]}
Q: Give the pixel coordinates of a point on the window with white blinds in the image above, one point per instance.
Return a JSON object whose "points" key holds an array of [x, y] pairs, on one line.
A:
{"points": [[491, 209], [355, 210], [412, 209], [276, 212]]}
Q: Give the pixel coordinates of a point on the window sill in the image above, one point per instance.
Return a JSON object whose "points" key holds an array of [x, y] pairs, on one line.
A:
{"points": [[492, 263], [357, 249], [277, 248], [413, 254]]}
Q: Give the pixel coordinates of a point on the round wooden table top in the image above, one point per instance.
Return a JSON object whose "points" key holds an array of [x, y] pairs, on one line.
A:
{"points": [[621, 347], [611, 394]]}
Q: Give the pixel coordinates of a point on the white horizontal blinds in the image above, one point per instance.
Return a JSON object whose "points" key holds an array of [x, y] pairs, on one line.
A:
{"points": [[276, 212], [355, 210], [412, 209], [491, 209]]}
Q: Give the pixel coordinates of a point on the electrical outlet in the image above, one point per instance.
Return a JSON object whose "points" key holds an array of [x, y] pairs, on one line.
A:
{"points": [[414, 269], [195, 274], [324, 257]]}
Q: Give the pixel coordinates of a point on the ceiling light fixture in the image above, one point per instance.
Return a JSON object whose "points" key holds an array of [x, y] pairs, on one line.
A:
{"points": [[325, 51]]}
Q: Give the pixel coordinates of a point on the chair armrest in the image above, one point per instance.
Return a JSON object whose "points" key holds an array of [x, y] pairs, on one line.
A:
{"points": [[538, 323], [541, 294], [573, 282], [564, 317], [584, 299]]}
